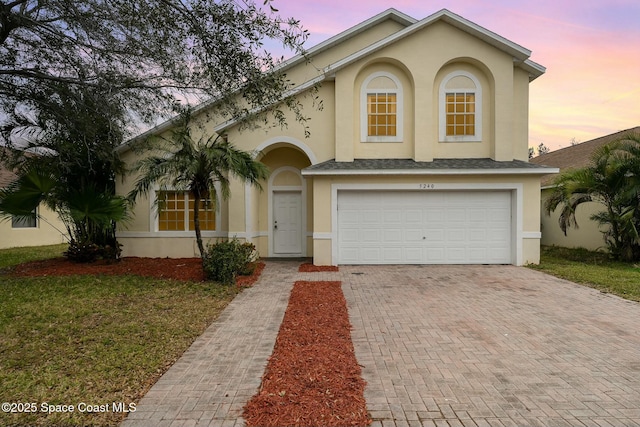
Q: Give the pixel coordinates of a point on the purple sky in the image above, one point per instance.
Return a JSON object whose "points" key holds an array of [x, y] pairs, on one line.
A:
{"points": [[591, 49]]}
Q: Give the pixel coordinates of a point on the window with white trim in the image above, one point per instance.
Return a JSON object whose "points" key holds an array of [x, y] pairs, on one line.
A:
{"points": [[460, 108], [381, 108], [25, 222], [175, 212]]}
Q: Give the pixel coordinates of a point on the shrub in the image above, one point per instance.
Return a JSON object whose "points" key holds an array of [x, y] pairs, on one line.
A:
{"points": [[224, 260], [90, 252]]}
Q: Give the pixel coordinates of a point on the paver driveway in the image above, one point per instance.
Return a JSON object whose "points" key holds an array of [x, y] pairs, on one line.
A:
{"points": [[492, 345], [439, 346]]}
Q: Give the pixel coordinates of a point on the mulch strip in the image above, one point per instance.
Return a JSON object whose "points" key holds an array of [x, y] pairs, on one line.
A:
{"points": [[310, 268], [184, 269], [313, 377]]}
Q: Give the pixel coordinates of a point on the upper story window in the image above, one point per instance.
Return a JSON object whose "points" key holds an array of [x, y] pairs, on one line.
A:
{"points": [[460, 108], [381, 108], [175, 212]]}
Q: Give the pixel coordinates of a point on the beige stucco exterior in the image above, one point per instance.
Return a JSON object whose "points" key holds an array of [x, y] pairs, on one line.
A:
{"points": [[415, 58], [49, 230], [588, 235]]}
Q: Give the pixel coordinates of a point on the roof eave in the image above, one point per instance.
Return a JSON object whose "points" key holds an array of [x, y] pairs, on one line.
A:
{"points": [[506, 171]]}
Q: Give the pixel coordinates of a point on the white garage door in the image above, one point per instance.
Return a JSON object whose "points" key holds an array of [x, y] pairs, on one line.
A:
{"points": [[431, 227]]}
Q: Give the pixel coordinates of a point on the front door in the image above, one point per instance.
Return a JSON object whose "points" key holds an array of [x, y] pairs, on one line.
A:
{"points": [[287, 223]]}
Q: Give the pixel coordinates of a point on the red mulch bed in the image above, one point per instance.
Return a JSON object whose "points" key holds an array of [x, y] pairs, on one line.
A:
{"points": [[312, 378], [185, 269], [310, 268]]}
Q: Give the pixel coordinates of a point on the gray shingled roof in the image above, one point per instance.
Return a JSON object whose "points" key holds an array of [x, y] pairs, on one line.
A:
{"points": [[577, 156], [6, 177], [364, 165]]}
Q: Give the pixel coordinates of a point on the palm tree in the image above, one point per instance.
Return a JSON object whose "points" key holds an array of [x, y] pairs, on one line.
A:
{"points": [[182, 164], [612, 180], [88, 213]]}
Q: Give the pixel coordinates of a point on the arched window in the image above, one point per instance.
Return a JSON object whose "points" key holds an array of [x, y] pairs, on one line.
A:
{"points": [[460, 108], [381, 108]]}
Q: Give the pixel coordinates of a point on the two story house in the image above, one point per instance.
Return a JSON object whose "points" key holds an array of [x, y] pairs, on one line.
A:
{"points": [[418, 156]]}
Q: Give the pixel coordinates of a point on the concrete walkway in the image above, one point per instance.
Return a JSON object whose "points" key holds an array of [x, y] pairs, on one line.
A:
{"points": [[439, 346]]}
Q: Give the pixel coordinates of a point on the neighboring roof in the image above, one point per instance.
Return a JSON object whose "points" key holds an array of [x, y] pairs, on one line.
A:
{"points": [[576, 156], [436, 167], [6, 177], [520, 55]]}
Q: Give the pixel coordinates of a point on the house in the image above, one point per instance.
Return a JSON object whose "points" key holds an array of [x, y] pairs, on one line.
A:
{"points": [[588, 234], [45, 228], [420, 155]]}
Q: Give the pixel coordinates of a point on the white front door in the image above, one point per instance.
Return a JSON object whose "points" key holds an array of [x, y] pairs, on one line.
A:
{"points": [[287, 223]]}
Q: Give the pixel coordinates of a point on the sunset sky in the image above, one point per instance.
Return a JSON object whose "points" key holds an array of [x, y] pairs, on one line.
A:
{"points": [[591, 49]]}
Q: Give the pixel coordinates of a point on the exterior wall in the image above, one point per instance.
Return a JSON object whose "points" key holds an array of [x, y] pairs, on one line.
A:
{"points": [[504, 91], [49, 231], [250, 207], [335, 133], [140, 236], [321, 127], [588, 235], [336, 52], [525, 204]]}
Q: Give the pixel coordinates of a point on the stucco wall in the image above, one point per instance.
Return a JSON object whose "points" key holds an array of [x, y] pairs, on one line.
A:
{"points": [[504, 91], [49, 231], [588, 235]]}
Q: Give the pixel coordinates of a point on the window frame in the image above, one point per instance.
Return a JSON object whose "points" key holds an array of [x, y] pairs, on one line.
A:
{"points": [[364, 111], [155, 216], [442, 107], [36, 222]]}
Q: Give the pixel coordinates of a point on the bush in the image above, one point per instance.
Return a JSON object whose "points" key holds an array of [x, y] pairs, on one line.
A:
{"points": [[224, 260], [90, 252]]}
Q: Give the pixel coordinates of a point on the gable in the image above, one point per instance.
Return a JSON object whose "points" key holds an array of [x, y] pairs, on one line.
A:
{"points": [[386, 34], [519, 54]]}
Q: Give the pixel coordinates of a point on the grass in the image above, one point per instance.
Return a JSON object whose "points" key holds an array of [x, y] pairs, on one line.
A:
{"points": [[93, 339], [15, 256], [594, 269]]}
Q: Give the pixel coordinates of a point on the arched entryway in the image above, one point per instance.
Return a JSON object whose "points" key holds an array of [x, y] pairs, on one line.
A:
{"points": [[284, 207]]}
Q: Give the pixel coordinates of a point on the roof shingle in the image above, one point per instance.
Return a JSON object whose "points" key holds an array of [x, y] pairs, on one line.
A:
{"points": [[576, 156], [397, 165]]}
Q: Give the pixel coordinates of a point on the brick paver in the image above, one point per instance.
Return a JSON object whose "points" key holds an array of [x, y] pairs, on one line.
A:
{"points": [[492, 346], [210, 384], [439, 345]]}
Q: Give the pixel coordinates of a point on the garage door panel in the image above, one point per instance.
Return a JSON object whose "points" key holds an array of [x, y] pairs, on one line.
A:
{"points": [[412, 235], [370, 216], [371, 235], [456, 235], [435, 237], [349, 235], [478, 236], [371, 255], [392, 255], [436, 227], [393, 235], [392, 216], [413, 216]]}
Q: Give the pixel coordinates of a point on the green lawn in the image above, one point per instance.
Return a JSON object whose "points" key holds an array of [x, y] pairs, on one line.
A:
{"points": [[594, 269], [15, 256], [96, 340]]}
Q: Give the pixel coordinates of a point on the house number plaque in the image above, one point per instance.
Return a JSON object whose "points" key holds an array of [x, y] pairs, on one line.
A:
{"points": [[426, 186]]}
